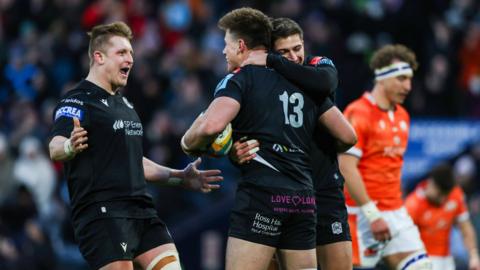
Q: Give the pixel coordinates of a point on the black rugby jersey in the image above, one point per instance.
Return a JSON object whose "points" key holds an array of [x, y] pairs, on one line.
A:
{"points": [[318, 78], [106, 179], [280, 116]]}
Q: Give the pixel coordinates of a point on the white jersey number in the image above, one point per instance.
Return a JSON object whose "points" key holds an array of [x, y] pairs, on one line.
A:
{"points": [[294, 119]]}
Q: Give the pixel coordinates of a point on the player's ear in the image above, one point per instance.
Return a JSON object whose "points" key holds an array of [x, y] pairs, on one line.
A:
{"points": [[98, 57], [242, 47]]}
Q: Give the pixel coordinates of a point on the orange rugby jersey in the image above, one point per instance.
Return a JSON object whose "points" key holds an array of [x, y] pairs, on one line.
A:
{"points": [[382, 141], [435, 222]]}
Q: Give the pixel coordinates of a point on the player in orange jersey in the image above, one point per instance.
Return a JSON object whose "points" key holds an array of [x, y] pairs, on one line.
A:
{"points": [[379, 224], [435, 206]]}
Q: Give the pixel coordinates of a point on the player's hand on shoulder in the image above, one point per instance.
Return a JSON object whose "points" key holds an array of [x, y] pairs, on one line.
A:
{"points": [[244, 150], [78, 138], [257, 58], [200, 180]]}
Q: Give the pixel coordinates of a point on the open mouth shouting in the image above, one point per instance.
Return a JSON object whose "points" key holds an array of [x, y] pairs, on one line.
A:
{"points": [[124, 71]]}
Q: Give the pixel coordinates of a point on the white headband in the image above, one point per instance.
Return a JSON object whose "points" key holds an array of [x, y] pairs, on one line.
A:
{"points": [[393, 70]]}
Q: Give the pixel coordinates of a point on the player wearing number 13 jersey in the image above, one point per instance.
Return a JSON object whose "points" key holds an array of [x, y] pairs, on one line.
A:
{"points": [[275, 203]]}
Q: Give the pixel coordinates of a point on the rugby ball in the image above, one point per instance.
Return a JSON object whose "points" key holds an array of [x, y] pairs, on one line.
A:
{"points": [[222, 143]]}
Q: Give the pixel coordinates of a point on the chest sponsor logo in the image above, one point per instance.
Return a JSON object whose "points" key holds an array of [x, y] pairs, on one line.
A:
{"points": [[125, 100], [131, 128], [337, 227], [70, 112], [285, 149]]}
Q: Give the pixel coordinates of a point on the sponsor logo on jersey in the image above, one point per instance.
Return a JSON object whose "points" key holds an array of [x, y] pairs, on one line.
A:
{"points": [[285, 149], [118, 124], [72, 100], [132, 128], [337, 227], [70, 112]]}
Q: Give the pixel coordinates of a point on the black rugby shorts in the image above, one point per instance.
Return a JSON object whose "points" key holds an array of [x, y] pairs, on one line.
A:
{"points": [[106, 240], [332, 216], [275, 217]]}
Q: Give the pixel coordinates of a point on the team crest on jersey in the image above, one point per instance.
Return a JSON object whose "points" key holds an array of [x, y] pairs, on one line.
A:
{"points": [[337, 227], [125, 100], [450, 206], [70, 112]]}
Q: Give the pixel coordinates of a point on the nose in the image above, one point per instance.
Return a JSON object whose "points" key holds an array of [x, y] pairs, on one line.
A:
{"points": [[130, 58], [292, 56]]}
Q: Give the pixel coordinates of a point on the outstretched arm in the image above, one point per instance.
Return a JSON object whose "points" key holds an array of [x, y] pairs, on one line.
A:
{"points": [[190, 177], [63, 149]]}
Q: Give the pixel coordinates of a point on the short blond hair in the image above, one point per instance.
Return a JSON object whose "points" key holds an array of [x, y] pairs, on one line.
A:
{"points": [[100, 36]]}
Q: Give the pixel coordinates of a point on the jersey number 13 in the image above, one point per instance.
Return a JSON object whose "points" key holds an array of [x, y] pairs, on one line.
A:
{"points": [[294, 119]]}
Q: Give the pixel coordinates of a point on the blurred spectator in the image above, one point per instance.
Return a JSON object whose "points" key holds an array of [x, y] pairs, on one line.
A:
{"points": [[7, 182], [34, 170]]}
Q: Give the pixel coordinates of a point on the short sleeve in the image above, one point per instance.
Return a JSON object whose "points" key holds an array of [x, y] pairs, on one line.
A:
{"points": [[67, 109], [231, 86], [359, 121], [325, 106], [462, 211]]}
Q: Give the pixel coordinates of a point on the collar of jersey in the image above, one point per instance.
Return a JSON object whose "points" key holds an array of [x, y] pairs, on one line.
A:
{"points": [[95, 89]]}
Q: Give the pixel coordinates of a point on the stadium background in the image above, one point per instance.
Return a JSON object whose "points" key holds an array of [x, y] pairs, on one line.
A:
{"points": [[178, 62]]}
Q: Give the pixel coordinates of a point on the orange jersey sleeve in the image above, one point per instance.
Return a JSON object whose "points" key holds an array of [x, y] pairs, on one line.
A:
{"points": [[382, 141], [435, 221]]}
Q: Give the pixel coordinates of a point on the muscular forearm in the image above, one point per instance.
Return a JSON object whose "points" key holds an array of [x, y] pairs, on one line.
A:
{"points": [[353, 179], [199, 135], [57, 149], [469, 237], [317, 81]]}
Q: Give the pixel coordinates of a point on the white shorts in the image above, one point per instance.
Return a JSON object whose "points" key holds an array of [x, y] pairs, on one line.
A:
{"points": [[367, 252], [442, 263]]}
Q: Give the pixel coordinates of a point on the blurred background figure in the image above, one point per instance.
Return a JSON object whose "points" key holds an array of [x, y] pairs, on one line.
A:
{"points": [[436, 205]]}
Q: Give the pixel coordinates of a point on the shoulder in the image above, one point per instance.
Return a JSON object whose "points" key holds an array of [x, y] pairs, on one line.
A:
{"points": [[318, 61], [359, 107], [457, 193], [402, 112]]}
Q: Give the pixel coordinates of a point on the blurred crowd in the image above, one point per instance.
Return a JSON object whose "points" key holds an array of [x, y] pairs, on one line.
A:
{"points": [[178, 62]]}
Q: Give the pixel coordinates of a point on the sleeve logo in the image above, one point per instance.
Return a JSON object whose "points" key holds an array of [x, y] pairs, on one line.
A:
{"points": [[223, 83], [70, 112], [318, 60]]}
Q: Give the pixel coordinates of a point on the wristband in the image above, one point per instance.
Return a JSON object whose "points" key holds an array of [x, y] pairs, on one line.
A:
{"points": [[67, 148], [371, 211]]}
